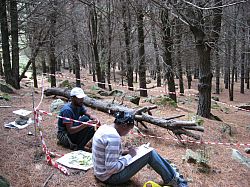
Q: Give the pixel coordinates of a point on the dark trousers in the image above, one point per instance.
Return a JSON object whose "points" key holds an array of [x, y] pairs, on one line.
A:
{"points": [[79, 139]]}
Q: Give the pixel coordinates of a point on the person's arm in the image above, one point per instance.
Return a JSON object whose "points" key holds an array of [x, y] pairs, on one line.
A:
{"points": [[114, 162], [74, 129], [69, 124], [130, 150], [91, 117], [86, 113]]}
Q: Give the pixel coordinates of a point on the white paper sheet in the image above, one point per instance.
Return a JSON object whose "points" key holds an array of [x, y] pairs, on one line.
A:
{"points": [[22, 112], [140, 152], [77, 160]]}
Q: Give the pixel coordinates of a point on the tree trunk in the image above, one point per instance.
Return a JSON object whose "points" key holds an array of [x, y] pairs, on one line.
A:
{"points": [[227, 64], [242, 70], [247, 71], [178, 127], [217, 72], [14, 44], [93, 23], [167, 56], [102, 51], [141, 52], [216, 34], [243, 57], [109, 44], [44, 67], [178, 57], [205, 81], [75, 53], [34, 73], [196, 71], [231, 88], [1, 66], [59, 63], [5, 43], [127, 29], [234, 62], [52, 58], [156, 51], [189, 74]]}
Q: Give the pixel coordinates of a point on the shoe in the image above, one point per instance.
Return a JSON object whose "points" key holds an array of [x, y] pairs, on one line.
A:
{"points": [[182, 184]]}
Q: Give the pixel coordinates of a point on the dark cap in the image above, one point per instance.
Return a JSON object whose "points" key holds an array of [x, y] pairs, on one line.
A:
{"points": [[124, 118]]}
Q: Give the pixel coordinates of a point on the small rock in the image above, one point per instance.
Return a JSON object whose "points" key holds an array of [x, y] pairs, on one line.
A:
{"points": [[215, 98], [116, 93], [6, 88], [135, 99]]}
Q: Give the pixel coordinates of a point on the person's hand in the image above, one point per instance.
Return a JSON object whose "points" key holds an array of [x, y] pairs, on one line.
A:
{"points": [[132, 151], [125, 152], [93, 118]]}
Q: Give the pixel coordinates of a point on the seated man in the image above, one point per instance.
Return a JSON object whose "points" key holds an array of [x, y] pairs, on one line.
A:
{"points": [[75, 135], [111, 165]]}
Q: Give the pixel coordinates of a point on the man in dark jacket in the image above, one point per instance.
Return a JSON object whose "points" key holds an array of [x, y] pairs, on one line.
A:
{"points": [[75, 135]]}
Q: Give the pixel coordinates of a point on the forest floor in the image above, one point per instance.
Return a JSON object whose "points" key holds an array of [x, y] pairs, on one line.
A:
{"points": [[22, 162]]}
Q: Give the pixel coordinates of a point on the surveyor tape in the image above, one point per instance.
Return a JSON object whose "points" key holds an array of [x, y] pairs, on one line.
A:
{"points": [[190, 141], [151, 90], [45, 149], [89, 123], [117, 85], [174, 139]]}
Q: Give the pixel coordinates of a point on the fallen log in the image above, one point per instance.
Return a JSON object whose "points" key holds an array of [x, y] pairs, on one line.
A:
{"points": [[178, 127]]}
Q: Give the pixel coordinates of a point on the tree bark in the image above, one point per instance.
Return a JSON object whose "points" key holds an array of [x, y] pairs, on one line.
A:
{"points": [[141, 52], [34, 73], [247, 71], [1, 66], [217, 72], [242, 70], [75, 53], [93, 29], [215, 35], [205, 81], [5, 43], [52, 58], [43, 61], [156, 51], [14, 43], [167, 56], [109, 44], [189, 75], [177, 126], [127, 29], [178, 57]]}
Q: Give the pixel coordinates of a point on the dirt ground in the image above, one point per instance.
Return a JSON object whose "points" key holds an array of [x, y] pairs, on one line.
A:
{"points": [[22, 162]]}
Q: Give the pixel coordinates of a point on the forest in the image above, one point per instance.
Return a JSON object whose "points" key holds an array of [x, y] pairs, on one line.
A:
{"points": [[144, 48]]}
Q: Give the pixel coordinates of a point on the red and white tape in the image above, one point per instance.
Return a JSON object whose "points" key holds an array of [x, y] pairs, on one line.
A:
{"points": [[89, 123], [190, 141], [45, 149], [138, 88]]}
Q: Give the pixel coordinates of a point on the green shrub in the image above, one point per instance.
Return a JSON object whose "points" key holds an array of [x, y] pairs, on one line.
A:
{"points": [[5, 96], [95, 88]]}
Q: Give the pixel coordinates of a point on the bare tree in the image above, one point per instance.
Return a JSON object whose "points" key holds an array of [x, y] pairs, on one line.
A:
{"points": [[14, 43], [167, 54], [127, 32], [5, 43], [141, 50]]}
